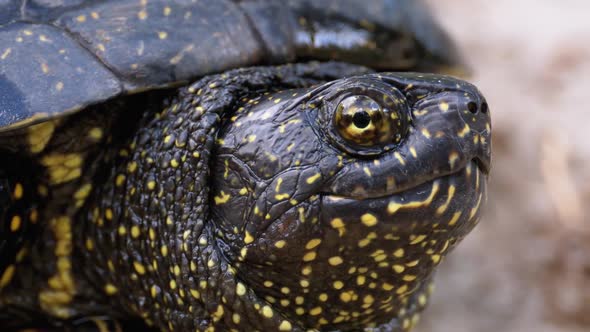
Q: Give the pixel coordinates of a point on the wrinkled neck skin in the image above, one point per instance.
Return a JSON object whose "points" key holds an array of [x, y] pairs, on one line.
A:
{"points": [[154, 249]]}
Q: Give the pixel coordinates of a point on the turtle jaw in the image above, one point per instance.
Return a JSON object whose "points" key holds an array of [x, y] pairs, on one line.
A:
{"points": [[384, 250]]}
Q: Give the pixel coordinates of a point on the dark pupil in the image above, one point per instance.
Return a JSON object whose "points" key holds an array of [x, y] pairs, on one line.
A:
{"points": [[361, 119]]}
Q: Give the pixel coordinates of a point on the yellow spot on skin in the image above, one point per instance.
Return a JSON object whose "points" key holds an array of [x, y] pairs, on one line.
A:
{"points": [[17, 193], [151, 185], [464, 131], [81, 18], [313, 178], [475, 208], [367, 171], [243, 191], [280, 197], [110, 289], [248, 238], [422, 300], [132, 167], [425, 133], [89, 244], [443, 106], [34, 217], [82, 193], [195, 293], [280, 244], [267, 311], [450, 194], [393, 206], [306, 270], [387, 287], [139, 268], [7, 276], [135, 232], [398, 268], [435, 258], [313, 243], [413, 152], [315, 311], [310, 256], [108, 214], [402, 289], [360, 280], [335, 261], [162, 34], [346, 296], [338, 224], [455, 218], [222, 198], [240, 289], [369, 220], [59, 86], [285, 326], [409, 277], [164, 250], [418, 239], [120, 180], [399, 253], [15, 223], [338, 284]]}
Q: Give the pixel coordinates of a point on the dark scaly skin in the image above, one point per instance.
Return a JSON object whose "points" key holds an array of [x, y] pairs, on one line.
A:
{"points": [[234, 209]]}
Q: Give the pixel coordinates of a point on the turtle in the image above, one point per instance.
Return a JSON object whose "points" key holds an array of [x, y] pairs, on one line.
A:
{"points": [[231, 165]]}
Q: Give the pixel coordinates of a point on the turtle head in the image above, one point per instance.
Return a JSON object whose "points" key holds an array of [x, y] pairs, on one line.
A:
{"points": [[335, 204], [381, 34]]}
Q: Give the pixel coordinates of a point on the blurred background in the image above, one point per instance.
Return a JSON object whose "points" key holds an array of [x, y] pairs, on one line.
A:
{"points": [[526, 267]]}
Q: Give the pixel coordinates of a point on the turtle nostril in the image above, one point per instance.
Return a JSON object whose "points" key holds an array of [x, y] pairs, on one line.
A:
{"points": [[484, 108], [472, 107]]}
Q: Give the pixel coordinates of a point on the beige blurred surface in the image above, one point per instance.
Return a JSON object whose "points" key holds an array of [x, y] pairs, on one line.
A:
{"points": [[526, 267]]}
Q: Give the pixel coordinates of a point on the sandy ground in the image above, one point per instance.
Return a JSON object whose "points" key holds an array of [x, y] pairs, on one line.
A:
{"points": [[527, 265]]}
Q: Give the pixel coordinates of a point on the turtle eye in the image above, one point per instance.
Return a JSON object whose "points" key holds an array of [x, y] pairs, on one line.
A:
{"points": [[362, 121]]}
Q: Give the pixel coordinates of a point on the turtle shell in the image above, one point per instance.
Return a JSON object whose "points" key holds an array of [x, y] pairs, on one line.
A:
{"points": [[57, 57]]}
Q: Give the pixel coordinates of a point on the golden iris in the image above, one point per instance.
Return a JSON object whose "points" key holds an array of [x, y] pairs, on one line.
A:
{"points": [[362, 121]]}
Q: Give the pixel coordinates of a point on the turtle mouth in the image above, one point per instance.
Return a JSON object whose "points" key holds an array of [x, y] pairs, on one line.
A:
{"points": [[433, 196], [474, 166]]}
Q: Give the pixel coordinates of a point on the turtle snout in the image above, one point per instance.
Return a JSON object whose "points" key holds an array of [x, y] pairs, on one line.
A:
{"points": [[475, 113]]}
